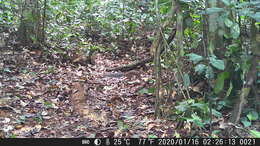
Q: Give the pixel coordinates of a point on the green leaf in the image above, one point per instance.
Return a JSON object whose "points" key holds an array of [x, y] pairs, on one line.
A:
{"points": [[121, 125], [148, 91], [202, 106], [216, 132], [252, 116], [152, 136], [229, 89], [235, 31], [226, 2], [195, 58], [216, 113], [200, 68], [143, 91], [245, 122], [209, 73], [186, 80], [182, 107], [220, 82], [228, 22], [254, 133], [13, 136], [7, 70], [219, 64], [197, 120], [221, 104]]}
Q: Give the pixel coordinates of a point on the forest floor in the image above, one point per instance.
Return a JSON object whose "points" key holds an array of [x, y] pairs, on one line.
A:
{"points": [[42, 97], [49, 99]]}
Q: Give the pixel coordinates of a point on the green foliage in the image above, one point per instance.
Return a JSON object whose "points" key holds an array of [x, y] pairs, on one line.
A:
{"points": [[204, 68], [152, 136], [195, 111], [195, 58], [251, 116], [50, 69], [21, 119], [148, 91], [13, 136], [6, 13], [200, 68], [74, 23], [48, 104], [219, 85], [245, 122], [38, 118], [186, 80], [122, 126], [254, 133], [196, 120], [116, 17], [217, 63], [69, 23]]}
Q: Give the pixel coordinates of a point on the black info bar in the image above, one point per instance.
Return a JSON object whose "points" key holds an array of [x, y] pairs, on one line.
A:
{"points": [[129, 141]]}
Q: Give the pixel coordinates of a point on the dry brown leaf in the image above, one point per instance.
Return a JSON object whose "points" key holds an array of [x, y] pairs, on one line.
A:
{"points": [[18, 127]]}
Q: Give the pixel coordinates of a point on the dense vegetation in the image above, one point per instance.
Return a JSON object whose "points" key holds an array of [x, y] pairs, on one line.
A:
{"points": [[193, 64]]}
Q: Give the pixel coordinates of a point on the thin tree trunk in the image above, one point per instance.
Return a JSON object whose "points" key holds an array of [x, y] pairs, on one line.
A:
{"points": [[250, 76]]}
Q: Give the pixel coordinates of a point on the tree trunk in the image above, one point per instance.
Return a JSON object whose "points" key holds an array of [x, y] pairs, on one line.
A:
{"points": [[250, 76], [30, 29]]}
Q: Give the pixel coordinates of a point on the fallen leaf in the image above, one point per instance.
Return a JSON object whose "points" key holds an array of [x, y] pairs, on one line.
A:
{"points": [[18, 127]]}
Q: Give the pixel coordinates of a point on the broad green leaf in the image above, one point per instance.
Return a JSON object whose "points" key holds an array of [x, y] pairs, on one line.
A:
{"points": [[245, 122], [200, 68], [228, 22], [220, 82], [235, 31], [254, 133], [252, 116], [186, 80], [218, 85], [219, 64], [194, 57]]}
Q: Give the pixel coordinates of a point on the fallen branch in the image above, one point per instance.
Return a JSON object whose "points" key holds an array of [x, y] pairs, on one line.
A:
{"points": [[131, 66], [147, 60]]}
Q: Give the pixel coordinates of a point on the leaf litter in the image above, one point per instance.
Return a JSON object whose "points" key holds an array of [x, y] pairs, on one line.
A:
{"points": [[68, 100]]}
